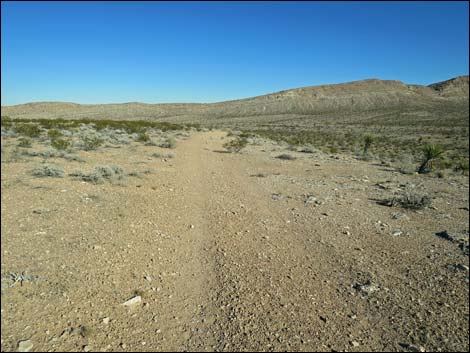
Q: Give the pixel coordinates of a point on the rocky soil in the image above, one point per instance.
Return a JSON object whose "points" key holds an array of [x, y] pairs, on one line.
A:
{"points": [[211, 250]]}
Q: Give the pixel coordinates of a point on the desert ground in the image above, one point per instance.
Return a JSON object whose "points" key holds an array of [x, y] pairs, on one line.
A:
{"points": [[166, 241]]}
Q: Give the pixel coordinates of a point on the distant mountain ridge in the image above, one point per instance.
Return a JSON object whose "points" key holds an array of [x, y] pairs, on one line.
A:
{"points": [[357, 96]]}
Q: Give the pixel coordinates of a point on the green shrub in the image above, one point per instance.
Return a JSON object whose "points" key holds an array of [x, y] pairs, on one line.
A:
{"points": [[430, 154], [236, 145], [60, 144], [91, 143], [143, 137], [23, 142], [54, 134], [170, 142], [462, 166], [28, 130], [368, 140]]}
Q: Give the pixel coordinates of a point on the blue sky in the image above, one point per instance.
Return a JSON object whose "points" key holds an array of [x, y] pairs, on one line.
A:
{"points": [[162, 52]]}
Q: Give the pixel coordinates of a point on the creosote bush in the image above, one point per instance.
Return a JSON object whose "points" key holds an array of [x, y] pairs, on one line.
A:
{"points": [[54, 134], [143, 137], [90, 143], [24, 142], [236, 145], [28, 130], [60, 144], [170, 142]]}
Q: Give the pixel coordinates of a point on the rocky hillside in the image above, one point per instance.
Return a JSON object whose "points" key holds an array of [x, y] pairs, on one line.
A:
{"points": [[352, 98]]}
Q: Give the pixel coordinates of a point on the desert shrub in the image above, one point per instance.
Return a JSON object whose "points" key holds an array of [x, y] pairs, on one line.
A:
{"points": [[236, 145], [169, 142], [60, 144], [151, 143], [48, 170], [430, 154], [462, 166], [368, 140], [334, 149], [91, 142], [143, 137], [28, 130], [23, 142], [408, 200], [54, 134], [286, 157], [292, 148], [100, 173]]}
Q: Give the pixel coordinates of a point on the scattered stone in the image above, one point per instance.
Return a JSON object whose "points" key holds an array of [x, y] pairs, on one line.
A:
{"points": [[413, 348], [276, 197], [191, 226], [399, 215], [25, 346], [312, 199], [41, 210], [354, 343], [397, 232], [106, 320], [462, 267], [133, 301], [367, 288], [86, 348]]}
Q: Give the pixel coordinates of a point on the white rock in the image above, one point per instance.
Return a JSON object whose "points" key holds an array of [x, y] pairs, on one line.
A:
{"points": [[24, 346], [134, 300]]}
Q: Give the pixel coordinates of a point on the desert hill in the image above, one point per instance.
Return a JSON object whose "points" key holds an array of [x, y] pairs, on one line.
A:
{"points": [[352, 98]]}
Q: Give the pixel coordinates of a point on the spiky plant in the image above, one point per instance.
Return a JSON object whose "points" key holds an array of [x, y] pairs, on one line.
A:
{"points": [[368, 139], [430, 154]]}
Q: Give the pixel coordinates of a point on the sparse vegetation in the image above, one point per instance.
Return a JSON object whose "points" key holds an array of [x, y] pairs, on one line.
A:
{"points": [[54, 134], [29, 130], [48, 170], [99, 174], [60, 144]]}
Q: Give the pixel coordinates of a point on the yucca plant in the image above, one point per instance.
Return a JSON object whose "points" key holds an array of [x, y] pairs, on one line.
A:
{"points": [[368, 139], [431, 153]]}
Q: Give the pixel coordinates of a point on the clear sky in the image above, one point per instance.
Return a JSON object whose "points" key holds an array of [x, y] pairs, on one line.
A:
{"points": [[163, 52]]}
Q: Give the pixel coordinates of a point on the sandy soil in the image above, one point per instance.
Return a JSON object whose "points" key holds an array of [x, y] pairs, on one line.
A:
{"points": [[232, 252]]}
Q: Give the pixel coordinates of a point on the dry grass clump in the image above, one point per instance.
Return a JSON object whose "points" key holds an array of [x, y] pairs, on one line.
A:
{"points": [[409, 200]]}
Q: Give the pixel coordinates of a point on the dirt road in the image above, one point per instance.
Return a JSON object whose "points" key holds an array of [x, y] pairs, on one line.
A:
{"points": [[231, 252]]}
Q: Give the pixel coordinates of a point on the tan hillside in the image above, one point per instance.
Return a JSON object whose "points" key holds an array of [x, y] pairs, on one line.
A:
{"points": [[353, 97]]}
